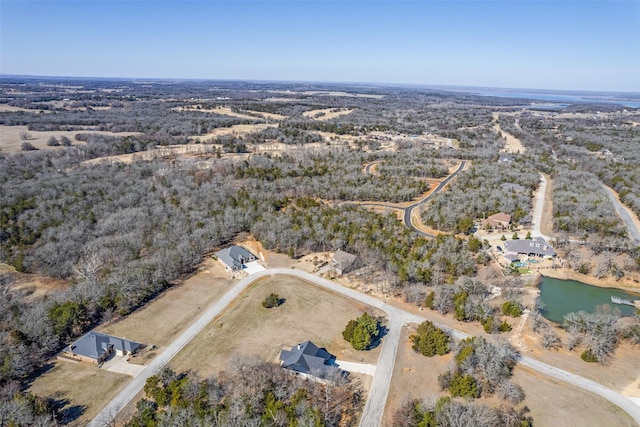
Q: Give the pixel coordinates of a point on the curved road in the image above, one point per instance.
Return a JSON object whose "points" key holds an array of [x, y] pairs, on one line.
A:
{"points": [[406, 216], [409, 209], [374, 407], [623, 211]]}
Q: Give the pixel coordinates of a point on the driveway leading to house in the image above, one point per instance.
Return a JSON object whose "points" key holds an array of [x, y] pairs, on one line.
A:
{"points": [[360, 368], [253, 267], [374, 407], [538, 209], [120, 365]]}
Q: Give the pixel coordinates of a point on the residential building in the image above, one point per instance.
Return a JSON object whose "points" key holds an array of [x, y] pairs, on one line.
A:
{"points": [[96, 347], [500, 220], [535, 247], [235, 257], [307, 359]]}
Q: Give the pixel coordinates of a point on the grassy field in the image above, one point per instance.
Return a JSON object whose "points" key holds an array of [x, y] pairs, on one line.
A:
{"points": [[552, 402], [82, 388], [246, 328], [159, 322]]}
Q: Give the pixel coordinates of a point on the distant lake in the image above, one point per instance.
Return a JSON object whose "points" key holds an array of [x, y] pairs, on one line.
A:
{"points": [[564, 99], [562, 297]]}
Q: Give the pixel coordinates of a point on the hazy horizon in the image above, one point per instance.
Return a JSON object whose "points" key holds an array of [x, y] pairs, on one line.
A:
{"points": [[569, 46]]}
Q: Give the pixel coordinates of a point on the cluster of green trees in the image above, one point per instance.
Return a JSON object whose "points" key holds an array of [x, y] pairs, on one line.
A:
{"points": [[512, 308], [362, 333], [430, 340], [251, 392]]}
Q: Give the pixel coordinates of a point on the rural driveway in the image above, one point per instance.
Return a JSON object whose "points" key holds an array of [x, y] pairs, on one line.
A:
{"points": [[360, 368], [374, 407], [538, 209]]}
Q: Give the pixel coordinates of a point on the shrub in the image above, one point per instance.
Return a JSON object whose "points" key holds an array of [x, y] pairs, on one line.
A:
{"points": [[512, 308], [464, 386], [504, 326], [53, 142], [347, 334], [361, 331], [428, 301], [272, 300], [588, 356], [27, 146], [430, 340]]}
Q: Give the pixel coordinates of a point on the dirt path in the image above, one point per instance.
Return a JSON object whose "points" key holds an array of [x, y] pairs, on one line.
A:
{"points": [[512, 144], [538, 209]]}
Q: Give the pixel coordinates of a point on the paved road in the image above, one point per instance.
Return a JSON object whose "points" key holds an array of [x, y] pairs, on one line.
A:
{"points": [[623, 211], [374, 407], [406, 218], [409, 209]]}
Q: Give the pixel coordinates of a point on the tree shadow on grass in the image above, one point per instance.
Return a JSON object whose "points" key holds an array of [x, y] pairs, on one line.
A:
{"points": [[382, 332]]}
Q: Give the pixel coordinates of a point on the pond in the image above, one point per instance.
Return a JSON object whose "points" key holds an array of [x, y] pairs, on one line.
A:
{"points": [[561, 297]]}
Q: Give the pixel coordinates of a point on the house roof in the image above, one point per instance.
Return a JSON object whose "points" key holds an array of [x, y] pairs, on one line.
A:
{"points": [[234, 256], [500, 217], [537, 246], [93, 344], [513, 186], [307, 358]]}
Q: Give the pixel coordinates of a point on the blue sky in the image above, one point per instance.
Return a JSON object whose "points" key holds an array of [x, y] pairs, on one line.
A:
{"points": [[570, 45]]}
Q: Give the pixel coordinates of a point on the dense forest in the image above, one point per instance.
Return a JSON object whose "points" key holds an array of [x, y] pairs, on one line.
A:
{"points": [[118, 234]]}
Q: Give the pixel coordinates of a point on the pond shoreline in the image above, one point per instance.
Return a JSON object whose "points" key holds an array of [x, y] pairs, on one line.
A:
{"points": [[624, 284]]}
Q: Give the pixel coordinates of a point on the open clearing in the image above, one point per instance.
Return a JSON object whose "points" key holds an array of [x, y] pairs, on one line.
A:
{"points": [[235, 129], [11, 138], [159, 322], [226, 111], [552, 402], [556, 403], [512, 144], [326, 113], [246, 328], [83, 387]]}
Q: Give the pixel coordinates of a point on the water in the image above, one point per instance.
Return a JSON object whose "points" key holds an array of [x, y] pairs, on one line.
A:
{"points": [[561, 297], [564, 100]]}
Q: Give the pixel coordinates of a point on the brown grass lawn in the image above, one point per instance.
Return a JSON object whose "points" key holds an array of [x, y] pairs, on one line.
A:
{"points": [[552, 402], [84, 387], [160, 321], [11, 141], [555, 403], [246, 328], [414, 376]]}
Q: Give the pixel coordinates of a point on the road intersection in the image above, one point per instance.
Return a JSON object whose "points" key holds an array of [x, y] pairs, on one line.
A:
{"points": [[377, 396]]}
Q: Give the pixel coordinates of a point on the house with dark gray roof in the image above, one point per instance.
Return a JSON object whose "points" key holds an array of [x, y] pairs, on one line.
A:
{"points": [[97, 347], [535, 247], [306, 358], [235, 257], [344, 262]]}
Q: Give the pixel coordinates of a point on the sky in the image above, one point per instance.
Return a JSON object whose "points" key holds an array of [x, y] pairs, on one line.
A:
{"points": [[562, 45]]}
